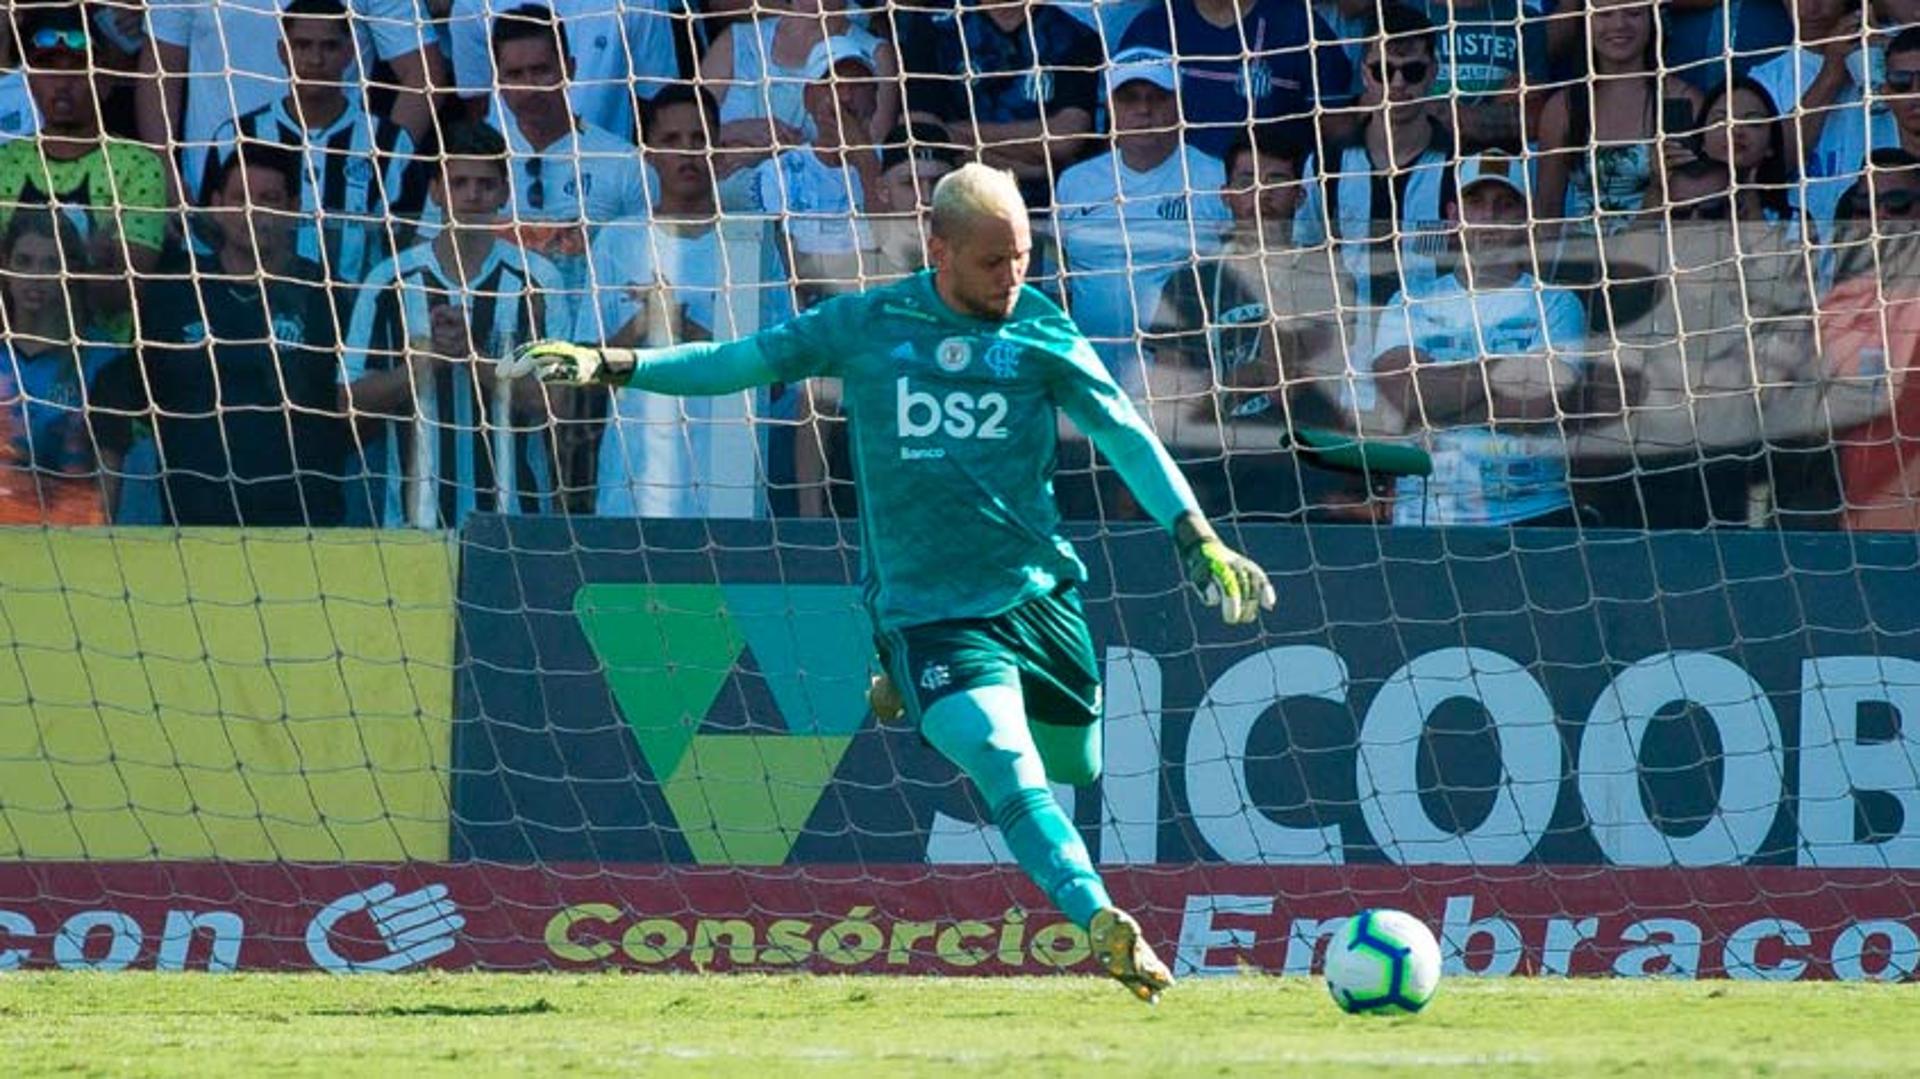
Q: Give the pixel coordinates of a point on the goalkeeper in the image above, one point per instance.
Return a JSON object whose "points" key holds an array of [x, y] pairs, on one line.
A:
{"points": [[950, 379]]}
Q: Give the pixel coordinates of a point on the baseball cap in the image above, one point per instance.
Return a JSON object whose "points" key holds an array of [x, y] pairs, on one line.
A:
{"points": [[831, 53], [1141, 63], [1492, 168]]}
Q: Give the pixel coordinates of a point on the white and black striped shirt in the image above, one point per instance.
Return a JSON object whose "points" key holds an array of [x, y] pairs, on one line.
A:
{"points": [[1381, 251], [360, 172], [505, 307]]}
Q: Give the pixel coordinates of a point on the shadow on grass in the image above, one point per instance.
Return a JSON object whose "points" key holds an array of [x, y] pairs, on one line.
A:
{"points": [[397, 1011]]}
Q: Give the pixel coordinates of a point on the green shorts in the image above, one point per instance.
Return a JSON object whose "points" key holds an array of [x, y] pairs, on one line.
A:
{"points": [[1042, 646]]}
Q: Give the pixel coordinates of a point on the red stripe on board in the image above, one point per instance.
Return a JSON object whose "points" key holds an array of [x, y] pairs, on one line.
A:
{"points": [[1743, 922]]}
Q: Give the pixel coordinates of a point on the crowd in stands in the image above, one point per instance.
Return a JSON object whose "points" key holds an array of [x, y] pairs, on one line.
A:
{"points": [[1612, 262]]}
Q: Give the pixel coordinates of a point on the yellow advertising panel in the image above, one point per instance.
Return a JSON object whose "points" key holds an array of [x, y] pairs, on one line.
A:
{"points": [[224, 694]]}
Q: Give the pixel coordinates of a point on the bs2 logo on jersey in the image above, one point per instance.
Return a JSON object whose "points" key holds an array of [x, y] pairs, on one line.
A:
{"points": [[958, 414]]}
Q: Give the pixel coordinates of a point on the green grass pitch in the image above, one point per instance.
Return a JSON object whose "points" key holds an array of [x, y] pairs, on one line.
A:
{"points": [[468, 1025]]}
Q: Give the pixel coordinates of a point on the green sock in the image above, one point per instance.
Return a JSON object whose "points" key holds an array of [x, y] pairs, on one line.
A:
{"points": [[985, 731], [1046, 845]]}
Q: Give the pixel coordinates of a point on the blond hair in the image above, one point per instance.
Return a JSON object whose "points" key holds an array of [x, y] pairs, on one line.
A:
{"points": [[971, 192]]}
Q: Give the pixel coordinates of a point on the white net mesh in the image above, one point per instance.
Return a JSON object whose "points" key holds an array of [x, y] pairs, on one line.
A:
{"points": [[505, 675]]}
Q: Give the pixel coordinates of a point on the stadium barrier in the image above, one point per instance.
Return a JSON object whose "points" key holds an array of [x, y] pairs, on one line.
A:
{"points": [[1644, 753]]}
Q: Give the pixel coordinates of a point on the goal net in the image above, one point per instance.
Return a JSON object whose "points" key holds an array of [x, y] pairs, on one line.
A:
{"points": [[329, 645]]}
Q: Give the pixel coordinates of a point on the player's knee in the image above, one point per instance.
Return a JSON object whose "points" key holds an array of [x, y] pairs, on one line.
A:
{"points": [[1071, 752], [994, 751]]}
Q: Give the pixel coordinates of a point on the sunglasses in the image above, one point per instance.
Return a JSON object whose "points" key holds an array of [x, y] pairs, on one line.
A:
{"points": [[1414, 72], [536, 185], [1903, 82], [51, 38]]}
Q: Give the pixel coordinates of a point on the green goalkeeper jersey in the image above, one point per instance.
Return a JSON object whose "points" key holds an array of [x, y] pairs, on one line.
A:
{"points": [[952, 425]]}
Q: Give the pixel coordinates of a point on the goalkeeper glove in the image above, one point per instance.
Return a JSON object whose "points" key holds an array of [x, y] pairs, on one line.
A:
{"points": [[562, 361], [1226, 578]]}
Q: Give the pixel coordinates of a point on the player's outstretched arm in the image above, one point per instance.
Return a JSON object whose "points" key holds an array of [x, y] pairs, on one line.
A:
{"points": [[1226, 578], [698, 369]]}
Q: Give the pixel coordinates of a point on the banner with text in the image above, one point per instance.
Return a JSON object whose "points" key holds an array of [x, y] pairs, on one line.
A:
{"points": [[692, 693], [1768, 923]]}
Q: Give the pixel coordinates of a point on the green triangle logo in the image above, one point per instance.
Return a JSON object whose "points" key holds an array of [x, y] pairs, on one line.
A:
{"points": [[669, 650]]}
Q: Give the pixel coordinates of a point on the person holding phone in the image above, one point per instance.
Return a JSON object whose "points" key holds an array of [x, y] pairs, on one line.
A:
{"points": [[1742, 129]]}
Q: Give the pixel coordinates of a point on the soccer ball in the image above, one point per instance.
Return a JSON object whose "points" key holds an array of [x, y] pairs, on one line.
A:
{"points": [[1383, 962]]}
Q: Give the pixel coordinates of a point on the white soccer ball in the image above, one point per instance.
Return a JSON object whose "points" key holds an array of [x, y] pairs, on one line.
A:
{"points": [[1383, 962]]}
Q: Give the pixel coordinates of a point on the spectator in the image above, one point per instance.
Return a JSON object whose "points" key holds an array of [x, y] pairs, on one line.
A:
{"points": [[757, 68], [1898, 127], [1018, 80], [1279, 48], [358, 171], [114, 190], [1263, 194], [1728, 275], [566, 169], [1600, 138], [686, 457], [1247, 338], [616, 50], [1886, 20], [238, 357], [1231, 321], [1737, 280], [1743, 130], [217, 60], [1869, 344], [60, 459], [1871, 68], [443, 440], [817, 196], [1706, 42], [819, 192], [1132, 217], [1561, 24], [1489, 52], [1689, 453], [1222, 313], [1401, 157], [1819, 83], [569, 176], [1485, 362], [678, 132], [911, 162]]}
